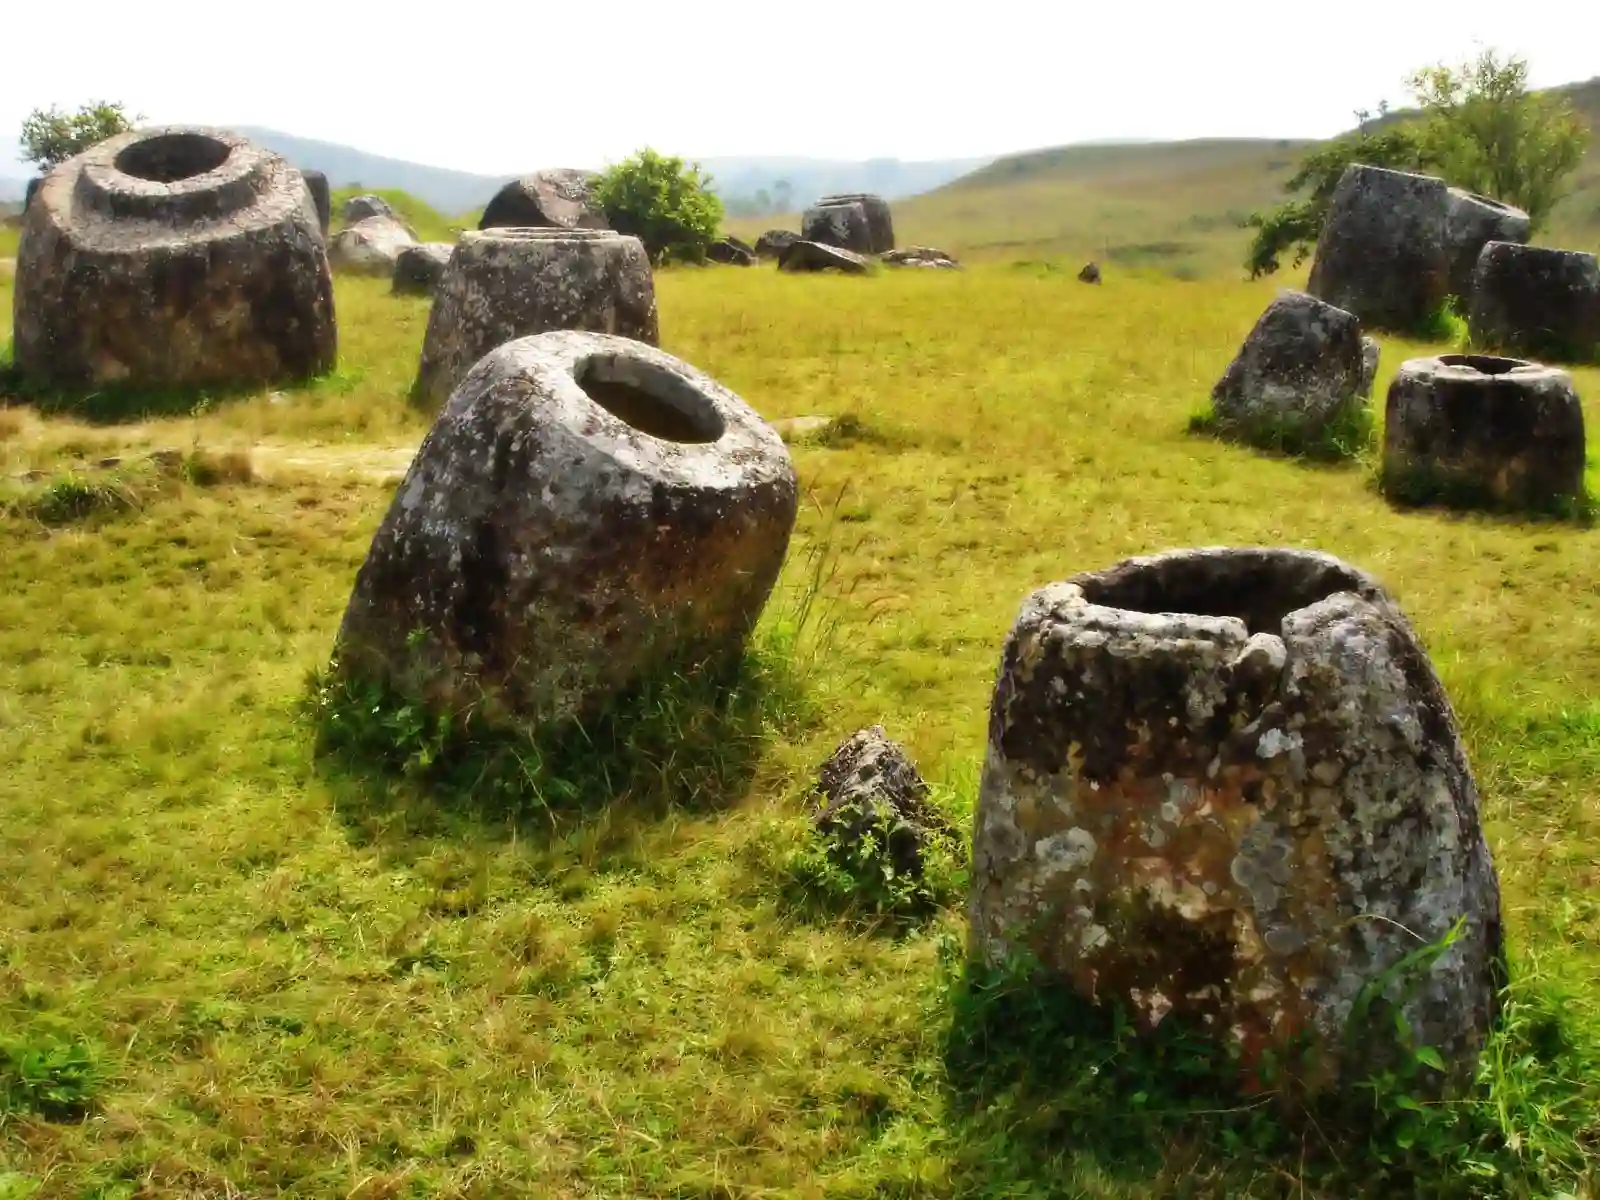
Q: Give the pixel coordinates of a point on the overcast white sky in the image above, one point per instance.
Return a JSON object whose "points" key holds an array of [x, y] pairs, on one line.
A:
{"points": [[504, 87]]}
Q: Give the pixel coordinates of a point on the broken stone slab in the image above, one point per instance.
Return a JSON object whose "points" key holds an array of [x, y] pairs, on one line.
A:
{"points": [[172, 257], [1298, 374], [559, 198], [730, 251], [1536, 302], [814, 256], [843, 225], [587, 513], [1475, 429], [507, 283], [1226, 785], [880, 220], [795, 428], [1382, 252], [919, 256], [419, 268], [869, 789], [1472, 222]]}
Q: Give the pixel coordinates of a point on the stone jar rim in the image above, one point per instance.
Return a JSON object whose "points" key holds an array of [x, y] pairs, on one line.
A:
{"points": [[104, 183]]}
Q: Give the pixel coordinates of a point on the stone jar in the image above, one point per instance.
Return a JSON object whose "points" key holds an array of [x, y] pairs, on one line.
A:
{"points": [[1298, 374], [503, 284], [1472, 222], [173, 257], [553, 199], [586, 513], [321, 197], [418, 269], [1381, 254], [1538, 302], [371, 246], [1476, 430], [880, 222], [1226, 784], [842, 225]]}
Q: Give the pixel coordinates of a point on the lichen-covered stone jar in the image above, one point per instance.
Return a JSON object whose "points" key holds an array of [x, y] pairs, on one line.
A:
{"points": [[587, 512], [174, 256], [1227, 784], [507, 283]]}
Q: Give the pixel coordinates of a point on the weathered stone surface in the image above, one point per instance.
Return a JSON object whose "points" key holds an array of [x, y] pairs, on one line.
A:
{"points": [[919, 256], [372, 246], [1090, 273], [1298, 373], [1227, 783], [173, 256], [814, 256], [1475, 429], [774, 242], [870, 789], [1538, 302], [321, 197], [732, 251], [586, 512], [1472, 222], [419, 268], [842, 225], [554, 199], [1371, 356], [360, 208], [508, 283], [880, 221], [1382, 252]]}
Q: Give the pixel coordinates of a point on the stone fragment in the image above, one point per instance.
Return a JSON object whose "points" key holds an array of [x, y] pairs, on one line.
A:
{"points": [[553, 199], [508, 283], [359, 208], [774, 242], [1297, 376], [1226, 785], [843, 225], [1471, 223], [172, 256], [321, 198], [1090, 273], [870, 789], [919, 256], [419, 268], [372, 246], [1537, 302], [1382, 252], [1371, 355], [880, 222], [586, 513], [814, 256], [1476, 430], [732, 252]]}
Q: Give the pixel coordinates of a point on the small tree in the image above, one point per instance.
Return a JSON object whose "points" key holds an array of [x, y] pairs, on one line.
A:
{"points": [[50, 137], [1479, 128], [1490, 134], [664, 202]]}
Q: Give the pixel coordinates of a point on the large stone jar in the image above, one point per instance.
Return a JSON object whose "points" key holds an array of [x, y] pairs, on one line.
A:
{"points": [[1471, 223], [173, 256], [844, 225], [586, 513], [507, 283], [1382, 253], [1227, 784], [555, 199], [1536, 301], [880, 221], [1474, 430]]}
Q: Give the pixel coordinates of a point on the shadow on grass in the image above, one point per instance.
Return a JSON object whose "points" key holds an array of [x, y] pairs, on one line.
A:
{"points": [[1442, 495], [120, 405], [1344, 442], [1048, 1094]]}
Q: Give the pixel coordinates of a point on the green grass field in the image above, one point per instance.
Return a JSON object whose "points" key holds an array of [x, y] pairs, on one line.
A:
{"points": [[230, 968]]}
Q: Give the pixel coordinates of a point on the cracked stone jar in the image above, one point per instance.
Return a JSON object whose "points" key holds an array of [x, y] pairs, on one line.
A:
{"points": [[175, 256], [587, 513], [506, 283], [1227, 784]]}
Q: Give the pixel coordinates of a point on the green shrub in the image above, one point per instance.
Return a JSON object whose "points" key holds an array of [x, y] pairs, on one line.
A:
{"points": [[664, 202], [50, 1078]]}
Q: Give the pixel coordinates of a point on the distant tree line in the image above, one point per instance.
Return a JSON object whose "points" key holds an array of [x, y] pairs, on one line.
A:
{"points": [[1477, 126]]}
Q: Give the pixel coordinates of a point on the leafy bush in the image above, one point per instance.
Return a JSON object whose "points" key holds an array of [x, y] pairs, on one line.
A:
{"points": [[53, 1079], [51, 136], [664, 202], [839, 873]]}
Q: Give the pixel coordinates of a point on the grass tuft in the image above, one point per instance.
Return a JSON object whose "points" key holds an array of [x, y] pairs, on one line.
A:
{"points": [[48, 1077], [1351, 436]]}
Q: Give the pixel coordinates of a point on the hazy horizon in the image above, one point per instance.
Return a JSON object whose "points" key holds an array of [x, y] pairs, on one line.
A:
{"points": [[709, 88]]}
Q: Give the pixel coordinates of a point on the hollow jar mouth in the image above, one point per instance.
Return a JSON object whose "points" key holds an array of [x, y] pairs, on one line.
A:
{"points": [[542, 233], [650, 399], [172, 157], [1258, 587], [1483, 364]]}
